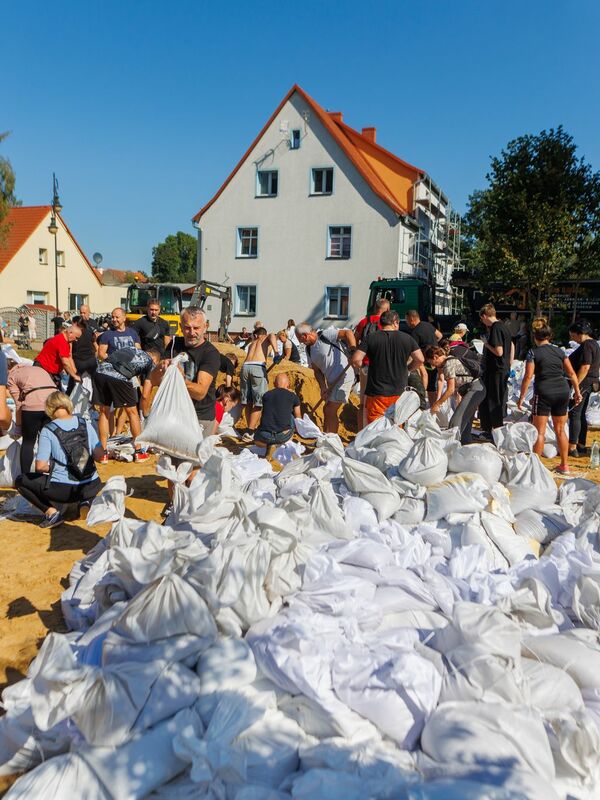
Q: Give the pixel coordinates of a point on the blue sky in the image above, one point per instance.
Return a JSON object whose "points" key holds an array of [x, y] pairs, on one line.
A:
{"points": [[142, 108]]}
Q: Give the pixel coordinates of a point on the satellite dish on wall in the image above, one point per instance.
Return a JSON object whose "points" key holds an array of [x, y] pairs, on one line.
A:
{"points": [[97, 259]]}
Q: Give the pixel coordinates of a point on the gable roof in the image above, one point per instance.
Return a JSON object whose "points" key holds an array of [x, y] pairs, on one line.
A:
{"points": [[389, 177], [22, 222], [118, 277]]}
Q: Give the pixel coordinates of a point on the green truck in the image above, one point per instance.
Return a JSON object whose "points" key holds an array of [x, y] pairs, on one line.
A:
{"points": [[408, 293]]}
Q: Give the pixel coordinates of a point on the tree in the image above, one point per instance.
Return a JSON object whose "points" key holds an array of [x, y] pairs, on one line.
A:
{"points": [[174, 260], [539, 218], [7, 192]]}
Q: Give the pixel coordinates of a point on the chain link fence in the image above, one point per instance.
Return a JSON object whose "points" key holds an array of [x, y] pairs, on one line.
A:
{"points": [[26, 325]]}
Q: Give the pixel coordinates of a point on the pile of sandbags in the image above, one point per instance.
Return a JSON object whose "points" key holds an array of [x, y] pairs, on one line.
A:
{"points": [[369, 622]]}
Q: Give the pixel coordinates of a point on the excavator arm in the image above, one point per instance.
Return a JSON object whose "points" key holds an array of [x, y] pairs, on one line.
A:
{"points": [[205, 290]]}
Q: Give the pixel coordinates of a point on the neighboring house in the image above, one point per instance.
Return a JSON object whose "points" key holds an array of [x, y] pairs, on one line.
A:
{"points": [[27, 266], [314, 212]]}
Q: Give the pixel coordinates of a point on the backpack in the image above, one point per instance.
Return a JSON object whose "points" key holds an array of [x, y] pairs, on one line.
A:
{"points": [[370, 326], [470, 359], [343, 348], [122, 361], [76, 447]]}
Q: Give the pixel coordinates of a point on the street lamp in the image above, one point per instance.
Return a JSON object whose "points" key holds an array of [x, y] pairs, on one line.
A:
{"points": [[53, 229]]}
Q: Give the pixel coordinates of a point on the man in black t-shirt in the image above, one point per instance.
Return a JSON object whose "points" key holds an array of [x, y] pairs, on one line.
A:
{"points": [[497, 358], [228, 365], [84, 350], [425, 335], [280, 407], [585, 361], [152, 329], [391, 355]]}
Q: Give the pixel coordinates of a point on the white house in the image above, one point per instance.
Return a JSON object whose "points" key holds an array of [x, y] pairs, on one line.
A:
{"points": [[312, 213], [27, 266]]}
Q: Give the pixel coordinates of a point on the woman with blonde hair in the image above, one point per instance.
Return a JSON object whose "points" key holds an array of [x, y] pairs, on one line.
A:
{"points": [[552, 371], [64, 468]]}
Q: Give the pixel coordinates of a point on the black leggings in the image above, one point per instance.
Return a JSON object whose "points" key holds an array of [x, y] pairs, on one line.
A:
{"points": [[42, 493], [578, 427], [32, 423]]}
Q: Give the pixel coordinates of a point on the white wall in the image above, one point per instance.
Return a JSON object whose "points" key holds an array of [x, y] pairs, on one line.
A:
{"points": [[24, 273], [292, 271]]}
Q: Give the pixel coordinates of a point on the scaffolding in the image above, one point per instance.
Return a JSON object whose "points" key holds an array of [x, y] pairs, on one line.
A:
{"points": [[435, 248]]}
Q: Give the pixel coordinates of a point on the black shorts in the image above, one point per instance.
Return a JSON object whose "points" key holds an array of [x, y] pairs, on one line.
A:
{"points": [[551, 403], [113, 391]]}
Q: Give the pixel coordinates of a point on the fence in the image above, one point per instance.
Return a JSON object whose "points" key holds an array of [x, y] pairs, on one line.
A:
{"points": [[38, 328]]}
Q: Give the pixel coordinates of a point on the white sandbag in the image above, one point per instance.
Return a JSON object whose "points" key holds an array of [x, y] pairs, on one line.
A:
{"points": [[226, 666], [576, 652], [270, 748], [306, 428], [551, 690], [80, 397], [405, 406], [172, 425], [325, 510], [465, 493], [109, 505], [514, 548], [488, 734], [59, 778], [530, 484], [426, 463], [411, 511], [482, 459], [372, 486], [541, 527], [592, 413], [586, 600], [10, 466], [288, 452], [516, 437]]}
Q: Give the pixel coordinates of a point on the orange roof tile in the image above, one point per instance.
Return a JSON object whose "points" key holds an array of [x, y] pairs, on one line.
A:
{"points": [[389, 177], [22, 222]]}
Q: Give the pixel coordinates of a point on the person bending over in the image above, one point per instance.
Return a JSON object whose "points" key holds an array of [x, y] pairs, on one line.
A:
{"points": [[553, 371], [56, 356], [64, 468], [280, 407], [113, 386], [253, 377], [29, 386]]}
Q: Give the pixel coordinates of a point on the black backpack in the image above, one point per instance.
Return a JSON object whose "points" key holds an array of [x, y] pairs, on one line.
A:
{"points": [[469, 358], [122, 361], [342, 346], [76, 447]]}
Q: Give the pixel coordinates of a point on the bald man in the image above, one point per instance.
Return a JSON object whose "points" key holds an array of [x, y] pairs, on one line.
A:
{"points": [[118, 336], [279, 409]]}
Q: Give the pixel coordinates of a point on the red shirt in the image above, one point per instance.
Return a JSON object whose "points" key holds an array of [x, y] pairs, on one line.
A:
{"points": [[219, 411], [358, 331], [51, 355]]}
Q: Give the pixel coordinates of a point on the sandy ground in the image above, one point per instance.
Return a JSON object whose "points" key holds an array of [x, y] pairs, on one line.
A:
{"points": [[36, 563]]}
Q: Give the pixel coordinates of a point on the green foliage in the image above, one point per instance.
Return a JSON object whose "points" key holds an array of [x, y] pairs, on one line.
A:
{"points": [[538, 221], [174, 260], [7, 191]]}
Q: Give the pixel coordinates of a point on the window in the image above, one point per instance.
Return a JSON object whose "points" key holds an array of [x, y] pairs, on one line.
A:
{"points": [[77, 300], [245, 301], [339, 243], [60, 258], [322, 181], [266, 183], [37, 298], [337, 302], [295, 139], [247, 242], [42, 256]]}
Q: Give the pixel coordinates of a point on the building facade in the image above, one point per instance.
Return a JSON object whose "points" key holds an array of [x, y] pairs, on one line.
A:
{"points": [[27, 266], [315, 211]]}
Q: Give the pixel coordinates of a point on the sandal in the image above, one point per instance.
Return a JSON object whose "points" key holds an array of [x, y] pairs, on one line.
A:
{"points": [[562, 470]]}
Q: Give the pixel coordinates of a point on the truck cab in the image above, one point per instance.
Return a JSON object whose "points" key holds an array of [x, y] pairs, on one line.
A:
{"points": [[403, 293]]}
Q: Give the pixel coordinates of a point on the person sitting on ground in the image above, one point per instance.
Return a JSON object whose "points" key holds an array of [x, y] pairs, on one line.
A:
{"points": [[228, 363], [280, 407], [461, 373], [112, 386], [253, 377], [64, 468], [5, 415], [227, 398], [361, 331], [585, 360], [391, 355], [289, 349], [331, 365], [552, 371], [30, 386], [55, 356], [118, 336]]}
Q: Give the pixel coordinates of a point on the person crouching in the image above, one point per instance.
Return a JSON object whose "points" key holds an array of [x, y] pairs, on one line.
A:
{"points": [[280, 407], [65, 471]]}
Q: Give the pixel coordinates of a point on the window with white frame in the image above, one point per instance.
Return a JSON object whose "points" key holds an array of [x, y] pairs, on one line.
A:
{"points": [[77, 300], [295, 139], [266, 183], [37, 298], [247, 242], [42, 255], [321, 180], [245, 301], [337, 300], [60, 258], [339, 241]]}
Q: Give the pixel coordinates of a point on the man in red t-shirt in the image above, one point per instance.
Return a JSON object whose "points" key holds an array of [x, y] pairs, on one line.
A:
{"points": [[381, 306], [55, 355]]}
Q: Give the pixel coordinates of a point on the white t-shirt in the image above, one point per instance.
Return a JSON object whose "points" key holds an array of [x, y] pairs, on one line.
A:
{"points": [[328, 357]]}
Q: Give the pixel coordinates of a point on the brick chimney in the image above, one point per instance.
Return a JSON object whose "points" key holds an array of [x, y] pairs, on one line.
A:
{"points": [[370, 134], [336, 116]]}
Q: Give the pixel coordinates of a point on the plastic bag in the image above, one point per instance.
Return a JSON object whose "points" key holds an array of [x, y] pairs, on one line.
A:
{"points": [[592, 413], [109, 505], [172, 425], [306, 428], [10, 466]]}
